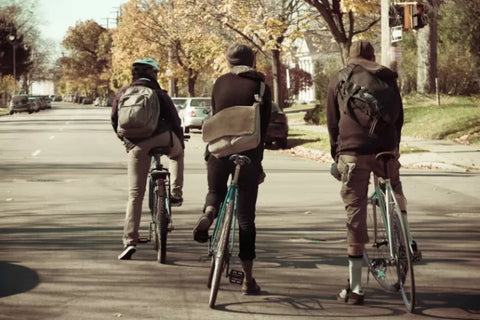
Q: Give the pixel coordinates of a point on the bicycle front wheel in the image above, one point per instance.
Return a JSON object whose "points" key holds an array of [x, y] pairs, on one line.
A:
{"points": [[161, 223], [380, 262], [221, 254], [404, 261]]}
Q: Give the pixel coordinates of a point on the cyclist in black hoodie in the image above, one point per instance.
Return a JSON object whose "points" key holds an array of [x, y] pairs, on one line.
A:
{"points": [[237, 88], [354, 151]]}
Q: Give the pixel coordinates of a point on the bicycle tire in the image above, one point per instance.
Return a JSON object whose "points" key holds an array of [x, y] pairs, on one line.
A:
{"points": [[221, 254], [154, 224], [404, 262], [210, 275], [161, 223], [377, 251]]}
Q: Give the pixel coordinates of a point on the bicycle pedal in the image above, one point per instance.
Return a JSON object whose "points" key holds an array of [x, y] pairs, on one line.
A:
{"points": [[143, 240], [236, 276]]}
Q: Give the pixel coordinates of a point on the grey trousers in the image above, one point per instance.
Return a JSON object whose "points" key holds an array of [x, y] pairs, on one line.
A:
{"points": [[354, 194], [138, 167]]}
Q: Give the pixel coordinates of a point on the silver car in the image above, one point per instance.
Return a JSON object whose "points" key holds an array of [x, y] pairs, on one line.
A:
{"points": [[20, 103], [196, 110]]}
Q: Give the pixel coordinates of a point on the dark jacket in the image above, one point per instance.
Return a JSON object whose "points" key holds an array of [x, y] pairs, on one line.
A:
{"points": [[346, 135], [238, 88], [169, 119]]}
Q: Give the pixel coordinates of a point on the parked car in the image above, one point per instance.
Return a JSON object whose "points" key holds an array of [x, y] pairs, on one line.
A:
{"points": [[36, 103], [86, 100], [196, 110], [43, 102], [180, 103], [20, 103], [277, 131]]}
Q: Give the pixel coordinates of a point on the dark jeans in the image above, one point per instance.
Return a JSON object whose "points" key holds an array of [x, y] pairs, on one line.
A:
{"points": [[219, 171]]}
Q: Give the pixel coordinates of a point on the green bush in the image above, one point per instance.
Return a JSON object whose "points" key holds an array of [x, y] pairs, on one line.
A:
{"points": [[316, 115]]}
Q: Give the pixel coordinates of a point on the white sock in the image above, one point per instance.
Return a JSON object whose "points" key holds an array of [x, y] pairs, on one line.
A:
{"points": [[355, 268]]}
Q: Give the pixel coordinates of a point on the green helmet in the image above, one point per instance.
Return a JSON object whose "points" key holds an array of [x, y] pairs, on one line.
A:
{"points": [[147, 61]]}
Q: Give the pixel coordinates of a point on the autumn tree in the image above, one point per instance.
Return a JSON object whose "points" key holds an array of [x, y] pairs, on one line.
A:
{"points": [[459, 47], [347, 18], [270, 26], [9, 30], [170, 32], [86, 65], [32, 52]]}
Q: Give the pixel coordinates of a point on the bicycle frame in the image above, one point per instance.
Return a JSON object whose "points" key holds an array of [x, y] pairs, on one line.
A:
{"points": [[157, 166], [222, 242], [159, 190], [386, 203], [232, 194], [389, 230]]}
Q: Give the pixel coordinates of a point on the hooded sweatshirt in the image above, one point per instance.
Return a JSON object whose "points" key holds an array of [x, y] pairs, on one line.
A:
{"points": [[346, 135]]}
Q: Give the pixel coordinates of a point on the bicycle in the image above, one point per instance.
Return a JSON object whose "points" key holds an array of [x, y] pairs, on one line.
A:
{"points": [[159, 203], [221, 242], [388, 256]]}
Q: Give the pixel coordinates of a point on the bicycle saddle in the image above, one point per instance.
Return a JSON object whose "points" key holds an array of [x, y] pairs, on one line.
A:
{"points": [[385, 156], [159, 150]]}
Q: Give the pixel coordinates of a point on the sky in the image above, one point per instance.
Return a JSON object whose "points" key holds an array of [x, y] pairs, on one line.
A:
{"points": [[57, 16]]}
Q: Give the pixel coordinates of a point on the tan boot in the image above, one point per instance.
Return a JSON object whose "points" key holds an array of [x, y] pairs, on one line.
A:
{"points": [[200, 232]]}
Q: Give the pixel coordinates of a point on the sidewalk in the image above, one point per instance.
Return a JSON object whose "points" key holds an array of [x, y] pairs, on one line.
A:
{"points": [[440, 154]]}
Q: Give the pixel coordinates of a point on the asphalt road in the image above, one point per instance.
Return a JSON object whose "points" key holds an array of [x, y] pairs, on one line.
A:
{"points": [[63, 191]]}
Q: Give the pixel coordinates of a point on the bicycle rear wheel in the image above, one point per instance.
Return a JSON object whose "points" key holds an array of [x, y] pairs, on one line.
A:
{"points": [[404, 261], [221, 255], [377, 252], [161, 223]]}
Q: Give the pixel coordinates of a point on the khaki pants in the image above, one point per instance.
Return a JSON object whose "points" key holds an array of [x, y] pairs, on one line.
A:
{"points": [[355, 172], [138, 167]]}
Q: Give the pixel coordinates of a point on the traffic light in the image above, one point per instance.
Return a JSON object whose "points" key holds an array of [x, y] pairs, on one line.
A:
{"points": [[419, 20], [396, 16], [410, 16]]}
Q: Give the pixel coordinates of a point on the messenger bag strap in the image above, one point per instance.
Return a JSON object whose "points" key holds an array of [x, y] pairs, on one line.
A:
{"points": [[258, 96]]}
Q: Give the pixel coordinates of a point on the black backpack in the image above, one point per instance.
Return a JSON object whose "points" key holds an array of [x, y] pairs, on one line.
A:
{"points": [[369, 100]]}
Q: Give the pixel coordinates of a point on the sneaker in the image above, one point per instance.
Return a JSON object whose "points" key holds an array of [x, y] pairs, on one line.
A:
{"points": [[127, 252], [176, 202], [200, 232], [250, 288], [416, 253], [349, 297]]}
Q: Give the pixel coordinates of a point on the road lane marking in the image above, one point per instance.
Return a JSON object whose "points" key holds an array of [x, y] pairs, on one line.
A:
{"points": [[36, 153]]}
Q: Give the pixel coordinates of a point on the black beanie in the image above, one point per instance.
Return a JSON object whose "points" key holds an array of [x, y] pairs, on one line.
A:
{"points": [[240, 54]]}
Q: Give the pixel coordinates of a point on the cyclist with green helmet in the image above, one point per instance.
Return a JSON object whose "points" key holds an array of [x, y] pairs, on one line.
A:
{"points": [[168, 133]]}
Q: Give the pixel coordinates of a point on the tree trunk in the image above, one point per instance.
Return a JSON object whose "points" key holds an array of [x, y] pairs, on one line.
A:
{"points": [[276, 77], [427, 52], [192, 78]]}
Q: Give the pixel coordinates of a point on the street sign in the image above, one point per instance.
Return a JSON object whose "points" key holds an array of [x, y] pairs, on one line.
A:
{"points": [[396, 54], [396, 33]]}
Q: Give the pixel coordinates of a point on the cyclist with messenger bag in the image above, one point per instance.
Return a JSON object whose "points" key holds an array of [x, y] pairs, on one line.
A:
{"points": [[144, 117], [237, 88]]}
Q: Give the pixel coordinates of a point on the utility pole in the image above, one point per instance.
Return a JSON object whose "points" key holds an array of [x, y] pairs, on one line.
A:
{"points": [[385, 29]]}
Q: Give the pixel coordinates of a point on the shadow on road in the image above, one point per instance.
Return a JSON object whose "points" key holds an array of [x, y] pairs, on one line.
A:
{"points": [[15, 279]]}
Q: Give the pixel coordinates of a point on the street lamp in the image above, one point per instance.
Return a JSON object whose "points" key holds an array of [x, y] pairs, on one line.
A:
{"points": [[12, 38]]}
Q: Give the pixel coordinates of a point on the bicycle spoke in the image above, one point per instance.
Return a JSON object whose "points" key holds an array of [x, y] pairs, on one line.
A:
{"points": [[377, 252]]}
